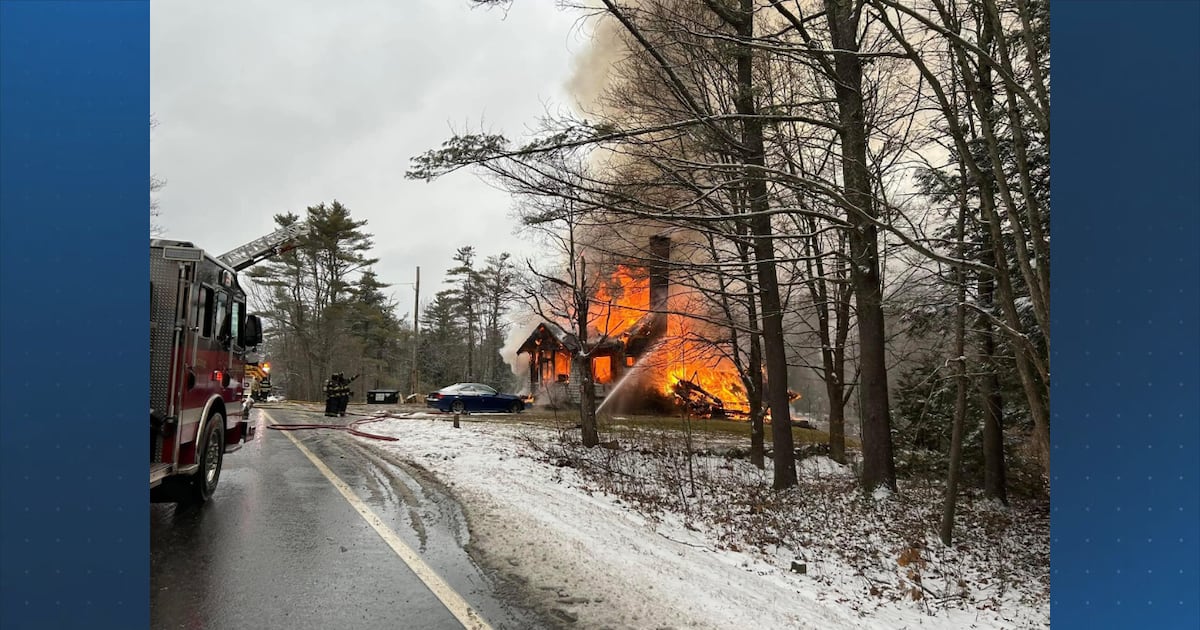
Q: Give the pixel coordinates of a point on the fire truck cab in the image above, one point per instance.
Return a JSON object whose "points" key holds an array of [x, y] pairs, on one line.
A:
{"points": [[201, 339]]}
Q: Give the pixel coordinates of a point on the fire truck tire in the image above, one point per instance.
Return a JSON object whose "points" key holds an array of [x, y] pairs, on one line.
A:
{"points": [[211, 455], [458, 406]]}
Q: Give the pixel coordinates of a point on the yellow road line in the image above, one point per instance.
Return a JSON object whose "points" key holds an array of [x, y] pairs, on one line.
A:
{"points": [[448, 596]]}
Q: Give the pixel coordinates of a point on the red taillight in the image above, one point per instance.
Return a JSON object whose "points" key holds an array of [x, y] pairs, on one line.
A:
{"points": [[435, 396]]}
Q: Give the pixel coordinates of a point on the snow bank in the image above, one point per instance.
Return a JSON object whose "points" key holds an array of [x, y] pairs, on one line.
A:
{"points": [[591, 558]]}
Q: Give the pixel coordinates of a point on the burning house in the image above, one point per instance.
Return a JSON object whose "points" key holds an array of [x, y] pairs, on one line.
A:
{"points": [[630, 314], [642, 356]]}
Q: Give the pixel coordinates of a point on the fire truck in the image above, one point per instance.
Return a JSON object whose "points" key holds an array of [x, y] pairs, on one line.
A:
{"points": [[201, 339], [258, 380]]}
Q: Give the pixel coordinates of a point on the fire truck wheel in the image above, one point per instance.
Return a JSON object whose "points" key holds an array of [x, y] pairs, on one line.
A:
{"points": [[458, 406], [211, 455]]}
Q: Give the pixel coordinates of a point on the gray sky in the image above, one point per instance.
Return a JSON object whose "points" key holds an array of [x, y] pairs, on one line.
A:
{"points": [[268, 106]]}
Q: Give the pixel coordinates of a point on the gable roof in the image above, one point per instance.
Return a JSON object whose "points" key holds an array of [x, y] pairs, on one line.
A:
{"points": [[549, 333]]}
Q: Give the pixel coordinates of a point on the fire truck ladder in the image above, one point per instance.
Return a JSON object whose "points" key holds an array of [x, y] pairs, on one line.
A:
{"points": [[265, 247]]}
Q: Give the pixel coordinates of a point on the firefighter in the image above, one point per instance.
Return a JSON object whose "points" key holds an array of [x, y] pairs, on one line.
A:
{"points": [[345, 398], [331, 395], [339, 405]]}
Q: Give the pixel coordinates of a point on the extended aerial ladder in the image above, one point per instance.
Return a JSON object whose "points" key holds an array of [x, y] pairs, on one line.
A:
{"points": [[244, 256], [262, 248]]}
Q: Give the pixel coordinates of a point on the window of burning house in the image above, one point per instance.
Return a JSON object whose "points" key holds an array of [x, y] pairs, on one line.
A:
{"points": [[554, 367], [562, 367], [602, 370]]}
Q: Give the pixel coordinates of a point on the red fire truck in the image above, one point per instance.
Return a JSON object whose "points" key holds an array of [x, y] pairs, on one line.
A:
{"points": [[201, 338]]}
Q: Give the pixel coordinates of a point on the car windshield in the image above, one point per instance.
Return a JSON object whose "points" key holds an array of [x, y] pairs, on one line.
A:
{"points": [[455, 389]]}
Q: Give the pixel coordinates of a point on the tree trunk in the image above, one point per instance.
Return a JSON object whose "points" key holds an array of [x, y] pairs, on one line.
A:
{"points": [[754, 370], [984, 96], [994, 483], [831, 314], [831, 365], [960, 397], [837, 409], [878, 461], [587, 401], [764, 255], [1031, 365], [470, 345], [583, 361], [1030, 377], [757, 447], [837, 424]]}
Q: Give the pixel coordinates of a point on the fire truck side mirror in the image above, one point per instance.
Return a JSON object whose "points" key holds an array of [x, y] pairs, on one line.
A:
{"points": [[252, 334]]}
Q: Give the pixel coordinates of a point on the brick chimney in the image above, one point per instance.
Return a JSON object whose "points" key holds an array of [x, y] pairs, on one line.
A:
{"points": [[660, 257]]}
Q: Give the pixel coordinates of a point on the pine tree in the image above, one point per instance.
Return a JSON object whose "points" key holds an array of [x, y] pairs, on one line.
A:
{"points": [[308, 290]]}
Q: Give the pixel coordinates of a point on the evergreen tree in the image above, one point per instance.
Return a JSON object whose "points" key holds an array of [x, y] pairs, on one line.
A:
{"points": [[466, 294], [308, 290]]}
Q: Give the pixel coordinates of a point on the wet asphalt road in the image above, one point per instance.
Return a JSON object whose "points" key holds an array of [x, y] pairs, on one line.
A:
{"points": [[279, 547]]}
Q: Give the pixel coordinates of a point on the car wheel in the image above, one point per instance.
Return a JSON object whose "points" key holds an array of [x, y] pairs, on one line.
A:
{"points": [[212, 455], [458, 406], [517, 407]]}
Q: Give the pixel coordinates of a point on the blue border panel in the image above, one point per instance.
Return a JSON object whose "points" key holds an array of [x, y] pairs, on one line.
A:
{"points": [[74, 171], [1126, 317]]}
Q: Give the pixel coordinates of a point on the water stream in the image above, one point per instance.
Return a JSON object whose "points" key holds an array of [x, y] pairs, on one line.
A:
{"points": [[635, 369]]}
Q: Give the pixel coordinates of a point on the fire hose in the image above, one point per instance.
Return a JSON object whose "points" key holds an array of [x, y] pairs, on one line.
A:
{"points": [[350, 428]]}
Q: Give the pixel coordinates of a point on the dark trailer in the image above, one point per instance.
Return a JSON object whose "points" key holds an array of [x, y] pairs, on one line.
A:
{"points": [[383, 397]]}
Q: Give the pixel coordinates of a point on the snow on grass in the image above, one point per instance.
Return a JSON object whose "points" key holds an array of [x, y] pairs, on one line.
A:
{"points": [[635, 537]]}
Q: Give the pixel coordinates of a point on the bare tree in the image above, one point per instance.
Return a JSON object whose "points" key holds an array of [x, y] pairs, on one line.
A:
{"points": [[960, 379], [745, 140], [791, 131], [564, 295], [1013, 123]]}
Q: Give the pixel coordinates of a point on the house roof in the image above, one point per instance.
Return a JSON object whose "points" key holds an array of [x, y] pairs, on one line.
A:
{"points": [[549, 333]]}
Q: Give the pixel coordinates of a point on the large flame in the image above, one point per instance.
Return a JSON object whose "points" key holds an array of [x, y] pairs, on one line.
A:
{"points": [[623, 298], [687, 356], [620, 301]]}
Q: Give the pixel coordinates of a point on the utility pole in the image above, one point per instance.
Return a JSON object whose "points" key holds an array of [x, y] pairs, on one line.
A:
{"points": [[416, 332]]}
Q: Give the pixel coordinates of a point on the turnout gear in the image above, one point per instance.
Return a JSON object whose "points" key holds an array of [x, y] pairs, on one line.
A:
{"points": [[344, 393], [332, 402]]}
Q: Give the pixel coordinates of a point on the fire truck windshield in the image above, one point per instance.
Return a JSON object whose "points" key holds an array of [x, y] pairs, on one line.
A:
{"points": [[234, 321], [220, 314]]}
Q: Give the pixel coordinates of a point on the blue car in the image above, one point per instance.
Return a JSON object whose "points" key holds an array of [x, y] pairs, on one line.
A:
{"points": [[473, 397]]}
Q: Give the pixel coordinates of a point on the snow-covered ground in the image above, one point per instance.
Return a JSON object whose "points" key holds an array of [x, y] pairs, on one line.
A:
{"points": [[628, 538]]}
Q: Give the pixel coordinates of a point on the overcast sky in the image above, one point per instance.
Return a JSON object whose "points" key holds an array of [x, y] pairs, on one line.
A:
{"points": [[267, 106]]}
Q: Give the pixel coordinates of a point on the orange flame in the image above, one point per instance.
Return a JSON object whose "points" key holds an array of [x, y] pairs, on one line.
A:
{"points": [[602, 371], [620, 301], [688, 357], [624, 298], [562, 365]]}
